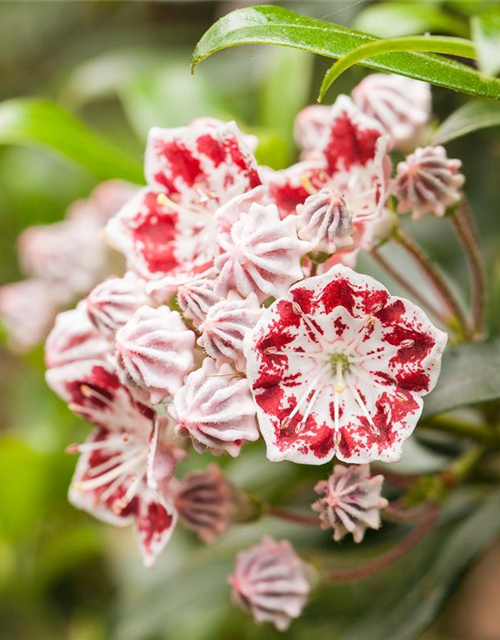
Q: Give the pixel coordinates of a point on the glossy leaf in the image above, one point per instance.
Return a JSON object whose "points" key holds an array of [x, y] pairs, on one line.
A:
{"points": [[44, 123], [468, 118], [391, 19], [279, 26], [433, 44], [407, 612], [470, 374], [486, 34]]}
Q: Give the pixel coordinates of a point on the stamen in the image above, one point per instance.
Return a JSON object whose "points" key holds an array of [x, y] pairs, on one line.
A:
{"points": [[274, 351], [285, 423], [164, 201], [363, 408], [296, 308], [95, 483], [302, 423], [308, 185]]}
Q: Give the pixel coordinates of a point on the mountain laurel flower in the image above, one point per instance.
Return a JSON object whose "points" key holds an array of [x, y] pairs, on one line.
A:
{"points": [[261, 254], [208, 503], [311, 128], [113, 482], [325, 221], [401, 105], [271, 582], [428, 182], [215, 409], [225, 327], [339, 367], [350, 501], [27, 312], [112, 303], [74, 338], [155, 351]]}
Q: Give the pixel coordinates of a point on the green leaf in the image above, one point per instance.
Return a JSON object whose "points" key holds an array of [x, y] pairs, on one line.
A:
{"points": [[278, 26], [32, 121], [469, 117], [408, 611], [433, 44], [470, 374], [486, 35], [390, 19]]}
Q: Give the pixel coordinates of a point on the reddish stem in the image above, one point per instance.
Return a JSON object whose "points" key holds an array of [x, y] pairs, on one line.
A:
{"points": [[395, 553], [290, 516]]}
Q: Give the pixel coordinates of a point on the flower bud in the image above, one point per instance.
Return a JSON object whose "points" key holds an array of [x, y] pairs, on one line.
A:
{"points": [[325, 221], [271, 582], [215, 409], [428, 182], [196, 297], [155, 351], [112, 303], [350, 501], [208, 503], [401, 105]]}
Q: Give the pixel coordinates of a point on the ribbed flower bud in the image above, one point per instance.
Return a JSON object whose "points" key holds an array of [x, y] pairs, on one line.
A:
{"points": [[325, 221], [155, 351], [350, 501], [271, 582], [196, 297], [216, 410], [208, 503], [225, 327], [428, 182], [401, 105], [112, 303]]}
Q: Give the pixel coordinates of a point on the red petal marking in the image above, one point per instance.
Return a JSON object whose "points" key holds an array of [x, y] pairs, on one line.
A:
{"points": [[415, 381], [349, 145], [157, 233], [240, 161], [181, 160], [211, 148], [339, 293], [287, 197], [153, 523]]}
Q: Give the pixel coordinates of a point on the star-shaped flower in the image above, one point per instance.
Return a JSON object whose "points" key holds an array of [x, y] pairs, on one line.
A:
{"points": [[339, 367]]}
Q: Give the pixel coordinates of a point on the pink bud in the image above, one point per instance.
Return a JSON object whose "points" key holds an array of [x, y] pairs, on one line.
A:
{"points": [[271, 582], [325, 221], [350, 501], [428, 182], [196, 297]]}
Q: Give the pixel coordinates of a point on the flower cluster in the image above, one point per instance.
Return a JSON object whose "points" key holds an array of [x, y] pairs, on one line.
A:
{"points": [[62, 261], [241, 316]]}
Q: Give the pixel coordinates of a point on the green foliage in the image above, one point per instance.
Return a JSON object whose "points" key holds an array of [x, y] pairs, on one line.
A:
{"points": [[390, 19], [275, 25], [470, 374], [486, 34], [470, 117], [42, 122]]}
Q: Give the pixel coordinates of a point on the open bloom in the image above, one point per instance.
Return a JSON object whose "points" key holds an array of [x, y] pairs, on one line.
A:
{"points": [[350, 501], [117, 479], [401, 105], [191, 171], [352, 159], [271, 582], [339, 367], [216, 410], [428, 182]]}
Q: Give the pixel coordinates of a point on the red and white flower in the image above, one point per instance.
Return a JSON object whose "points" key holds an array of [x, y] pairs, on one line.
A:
{"points": [[215, 409], [155, 351], [339, 367], [191, 171], [118, 477], [352, 159]]}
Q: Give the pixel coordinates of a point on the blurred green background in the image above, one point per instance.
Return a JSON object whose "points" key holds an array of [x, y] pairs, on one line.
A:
{"points": [[122, 67]]}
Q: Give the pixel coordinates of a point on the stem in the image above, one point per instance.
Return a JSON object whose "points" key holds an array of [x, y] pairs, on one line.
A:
{"points": [[435, 44], [395, 553], [463, 429], [397, 513], [403, 282], [463, 225], [465, 464], [290, 516], [435, 277]]}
